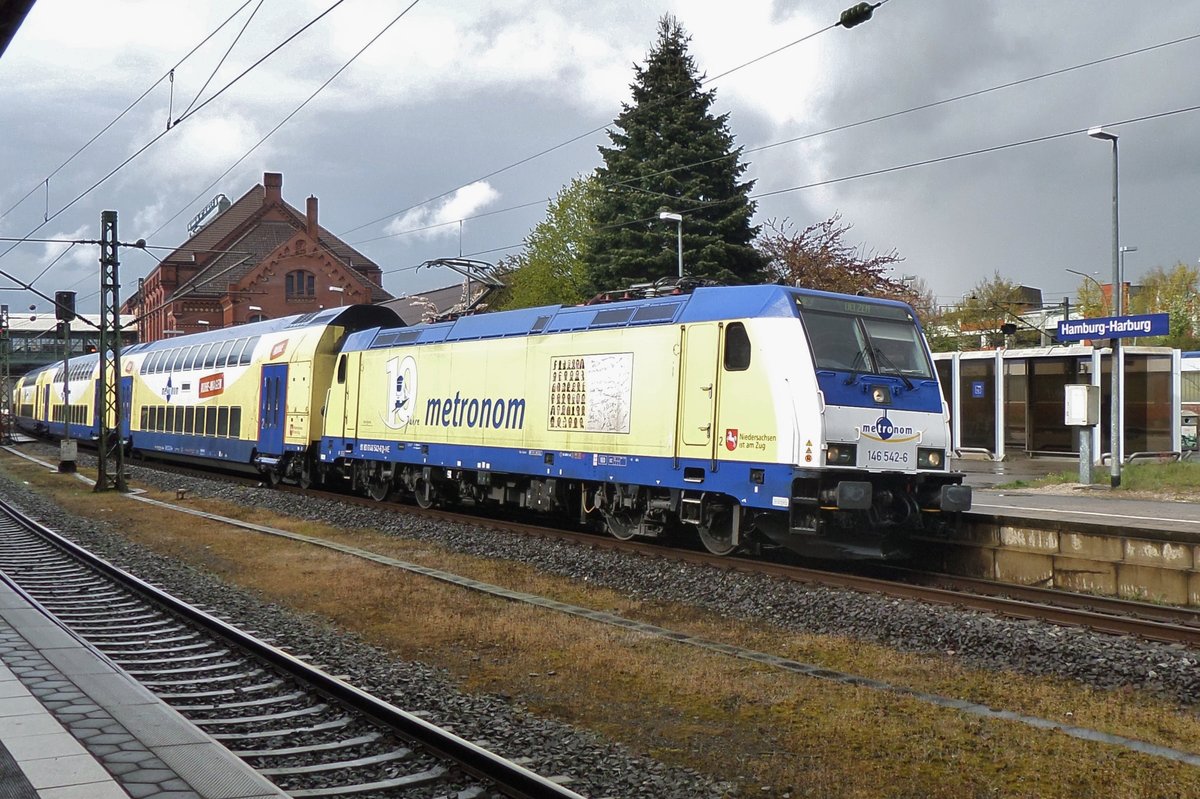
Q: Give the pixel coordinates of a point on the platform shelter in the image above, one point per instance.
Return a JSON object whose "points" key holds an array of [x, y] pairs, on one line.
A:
{"points": [[1011, 401]]}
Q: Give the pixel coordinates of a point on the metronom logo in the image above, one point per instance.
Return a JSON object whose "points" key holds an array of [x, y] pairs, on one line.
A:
{"points": [[472, 412]]}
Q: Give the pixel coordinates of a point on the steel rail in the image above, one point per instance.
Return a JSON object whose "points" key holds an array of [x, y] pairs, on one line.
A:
{"points": [[513, 779]]}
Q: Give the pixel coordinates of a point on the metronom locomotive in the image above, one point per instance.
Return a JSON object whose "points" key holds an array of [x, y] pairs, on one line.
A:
{"points": [[753, 416]]}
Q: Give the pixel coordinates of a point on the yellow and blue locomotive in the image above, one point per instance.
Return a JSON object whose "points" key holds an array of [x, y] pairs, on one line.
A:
{"points": [[751, 415]]}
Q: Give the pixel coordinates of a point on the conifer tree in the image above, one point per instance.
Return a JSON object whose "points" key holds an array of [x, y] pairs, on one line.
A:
{"points": [[670, 153]]}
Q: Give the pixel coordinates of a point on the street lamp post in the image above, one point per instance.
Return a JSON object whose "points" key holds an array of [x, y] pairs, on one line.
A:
{"points": [[1115, 406], [668, 216], [1124, 249]]}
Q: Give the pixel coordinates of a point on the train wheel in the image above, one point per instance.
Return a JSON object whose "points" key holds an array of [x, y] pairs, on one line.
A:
{"points": [[423, 493], [716, 532], [379, 487], [620, 525]]}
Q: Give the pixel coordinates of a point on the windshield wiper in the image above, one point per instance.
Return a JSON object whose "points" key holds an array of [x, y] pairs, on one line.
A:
{"points": [[860, 356], [883, 359]]}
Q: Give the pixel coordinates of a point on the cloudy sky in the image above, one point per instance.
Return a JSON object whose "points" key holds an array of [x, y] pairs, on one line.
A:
{"points": [[480, 111]]}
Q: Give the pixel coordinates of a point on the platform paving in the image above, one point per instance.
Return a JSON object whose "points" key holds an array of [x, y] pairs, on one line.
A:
{"points": [[73, 725]]}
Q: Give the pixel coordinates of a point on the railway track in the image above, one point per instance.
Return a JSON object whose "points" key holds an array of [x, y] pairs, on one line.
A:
{"points": [[1103, 614], [310, 733]]}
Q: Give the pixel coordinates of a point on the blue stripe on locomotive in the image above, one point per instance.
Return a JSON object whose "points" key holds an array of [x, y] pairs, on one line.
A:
{"points": [[665, 472]]}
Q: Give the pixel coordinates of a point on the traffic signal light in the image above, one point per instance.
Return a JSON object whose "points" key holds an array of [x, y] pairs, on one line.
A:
{"points": [[64, 306]]}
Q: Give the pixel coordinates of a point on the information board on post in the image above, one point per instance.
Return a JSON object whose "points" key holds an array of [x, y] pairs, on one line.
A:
{"points": [[1152, 324]]}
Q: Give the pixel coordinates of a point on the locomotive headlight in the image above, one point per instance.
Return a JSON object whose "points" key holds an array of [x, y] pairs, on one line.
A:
{"points": [[839, 454], [930, 459], [880, 395]]}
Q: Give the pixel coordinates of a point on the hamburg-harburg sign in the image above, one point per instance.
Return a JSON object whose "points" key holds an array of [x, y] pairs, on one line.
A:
{"points": [[1151, 324]]}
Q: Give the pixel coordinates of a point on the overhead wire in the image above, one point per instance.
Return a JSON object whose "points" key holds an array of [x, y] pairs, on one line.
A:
{"points": [[584, 135], [121, 115], [172, 127], [221, 63], [839, 128], [288, 118]]}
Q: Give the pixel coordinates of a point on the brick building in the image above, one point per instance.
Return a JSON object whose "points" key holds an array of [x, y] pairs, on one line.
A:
{"points": [[259, 259]]}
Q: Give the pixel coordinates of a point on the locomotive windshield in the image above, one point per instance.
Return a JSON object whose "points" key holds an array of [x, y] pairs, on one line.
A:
{"points": [[854, 336]]}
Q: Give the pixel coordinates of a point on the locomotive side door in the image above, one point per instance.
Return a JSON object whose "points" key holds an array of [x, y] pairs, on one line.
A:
{"points": [[272, 406], [697, 391]]}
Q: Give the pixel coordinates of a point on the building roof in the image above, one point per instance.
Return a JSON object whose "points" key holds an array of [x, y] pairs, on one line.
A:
{"points": [[413, 308], [258, 241], [39, 323]]}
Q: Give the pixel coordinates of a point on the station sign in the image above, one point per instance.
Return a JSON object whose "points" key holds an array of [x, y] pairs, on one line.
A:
{"points": [[1151, 324]]}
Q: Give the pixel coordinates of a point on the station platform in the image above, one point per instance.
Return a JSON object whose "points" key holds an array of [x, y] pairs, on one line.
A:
{"points": [[982, 473], [73, 725]]}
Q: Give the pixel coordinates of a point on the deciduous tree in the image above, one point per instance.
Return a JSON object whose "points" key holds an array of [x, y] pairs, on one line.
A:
{"points": [[819, 258], [1171, 292], [551, 269]]}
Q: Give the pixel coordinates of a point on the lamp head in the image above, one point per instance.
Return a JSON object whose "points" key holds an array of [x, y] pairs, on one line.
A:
{"points": [[669, 216], [1101, 133]]}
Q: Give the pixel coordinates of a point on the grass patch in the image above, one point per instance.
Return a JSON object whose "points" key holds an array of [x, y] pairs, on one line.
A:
{"points": [[1180, 479], [768, 731]]}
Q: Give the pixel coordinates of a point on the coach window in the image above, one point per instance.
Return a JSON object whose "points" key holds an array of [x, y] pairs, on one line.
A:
{"points": [[224, 353], [235, 421], [223, 421], [300, 283], [737, 348], [235, 354], [210, 355], [248, 352]]}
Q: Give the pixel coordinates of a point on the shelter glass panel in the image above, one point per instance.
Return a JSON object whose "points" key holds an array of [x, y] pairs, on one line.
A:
{"points": [[1048, 379], [977, 387], [1147, 394], [1016, 405]]}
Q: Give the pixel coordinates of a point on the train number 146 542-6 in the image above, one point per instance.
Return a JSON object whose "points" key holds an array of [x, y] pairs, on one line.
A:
{"points": [[894, 457]]}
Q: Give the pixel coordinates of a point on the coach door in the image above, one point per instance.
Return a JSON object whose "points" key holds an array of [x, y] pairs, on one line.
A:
{"points": [[697, 391], [126, 400], [272, 408]]}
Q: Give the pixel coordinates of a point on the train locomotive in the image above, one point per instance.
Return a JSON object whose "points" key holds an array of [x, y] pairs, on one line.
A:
{"points": [[747, 416]]}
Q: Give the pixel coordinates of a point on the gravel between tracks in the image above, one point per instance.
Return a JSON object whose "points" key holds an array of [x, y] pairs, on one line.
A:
{"points": [[978, 639]]}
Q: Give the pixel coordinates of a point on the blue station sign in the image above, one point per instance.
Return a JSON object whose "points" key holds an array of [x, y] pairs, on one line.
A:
{"points": [[1151, 324]]}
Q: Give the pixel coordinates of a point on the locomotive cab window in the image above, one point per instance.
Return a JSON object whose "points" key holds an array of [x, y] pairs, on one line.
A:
{"points": [[737, 348], [854, 336], [341, 372]]}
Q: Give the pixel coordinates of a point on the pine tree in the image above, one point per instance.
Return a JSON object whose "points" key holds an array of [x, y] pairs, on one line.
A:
{"points": [[670, 153]]}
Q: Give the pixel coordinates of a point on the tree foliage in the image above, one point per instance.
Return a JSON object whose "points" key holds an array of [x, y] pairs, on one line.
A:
{"points": [[669, 152], [1092, 300], [991, 303], [1172, 292], [551, 269], [819, 258]]}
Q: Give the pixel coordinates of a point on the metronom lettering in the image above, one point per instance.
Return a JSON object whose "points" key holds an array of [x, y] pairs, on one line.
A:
{"points": [[470, 412]]}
